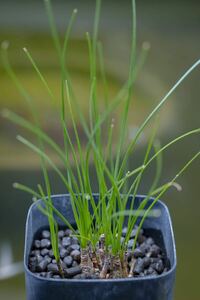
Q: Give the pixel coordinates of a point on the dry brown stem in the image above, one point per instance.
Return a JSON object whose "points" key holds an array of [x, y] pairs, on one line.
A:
{"points": [[104, 271], [86, 262], [125, 265], [101, 251], [117, 267], [132, 264], [95, 260], [60, 269]]}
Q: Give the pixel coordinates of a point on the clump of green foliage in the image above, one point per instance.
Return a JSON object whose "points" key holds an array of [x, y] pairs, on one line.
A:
{"points": [[97, 222]]}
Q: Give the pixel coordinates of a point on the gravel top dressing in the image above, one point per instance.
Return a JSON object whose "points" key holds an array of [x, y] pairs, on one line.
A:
{"points": [[149, 258]]}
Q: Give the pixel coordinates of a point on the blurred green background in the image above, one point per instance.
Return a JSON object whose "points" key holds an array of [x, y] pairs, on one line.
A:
{"points": [[172, 28]]}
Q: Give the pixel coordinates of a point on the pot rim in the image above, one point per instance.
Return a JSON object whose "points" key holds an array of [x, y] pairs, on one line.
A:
{"points": [[99, 281]]}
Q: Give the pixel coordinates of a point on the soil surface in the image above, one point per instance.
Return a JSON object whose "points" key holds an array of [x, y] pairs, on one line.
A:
{"points": [[146, 260]]}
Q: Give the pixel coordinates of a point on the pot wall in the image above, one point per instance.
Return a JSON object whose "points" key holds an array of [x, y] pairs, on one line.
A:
{"points": [[146, 288]]}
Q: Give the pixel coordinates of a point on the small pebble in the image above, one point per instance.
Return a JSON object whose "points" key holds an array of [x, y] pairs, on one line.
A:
{"points": [[66, 242], [151, 271], [37, 244], [64, 252], [46, 234], [39, 258], [33, 259], [35, 252], [45, 243], [51, 254], [139, 266], [130, 243], [154, 250], [70, 272], [133, 232], [154, 260], [146, 262], [159, 267], [68, 260], [49, 259], [144, 247], [149, 241], [76, 255], [44, 252], [41, 267], [61, 233], [73, 247], [68, 232], [74, 264], [138, 253], [52, 268], [74, 240]]}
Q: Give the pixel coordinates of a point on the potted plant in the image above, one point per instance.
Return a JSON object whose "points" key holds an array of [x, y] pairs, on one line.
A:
{"points": [[114, 244]]}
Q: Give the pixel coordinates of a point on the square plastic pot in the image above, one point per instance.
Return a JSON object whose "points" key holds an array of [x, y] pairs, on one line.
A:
{"points": [[144, 288]]}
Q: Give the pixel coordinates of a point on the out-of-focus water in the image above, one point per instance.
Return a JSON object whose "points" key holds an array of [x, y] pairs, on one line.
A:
{"points": [[172, 29]]}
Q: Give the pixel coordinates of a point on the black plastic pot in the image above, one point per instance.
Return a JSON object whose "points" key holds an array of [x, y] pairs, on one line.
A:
{"points": [[145, 288]]}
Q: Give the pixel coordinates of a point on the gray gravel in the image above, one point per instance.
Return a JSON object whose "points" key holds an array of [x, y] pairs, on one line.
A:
{"points": [[148, 256]]}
